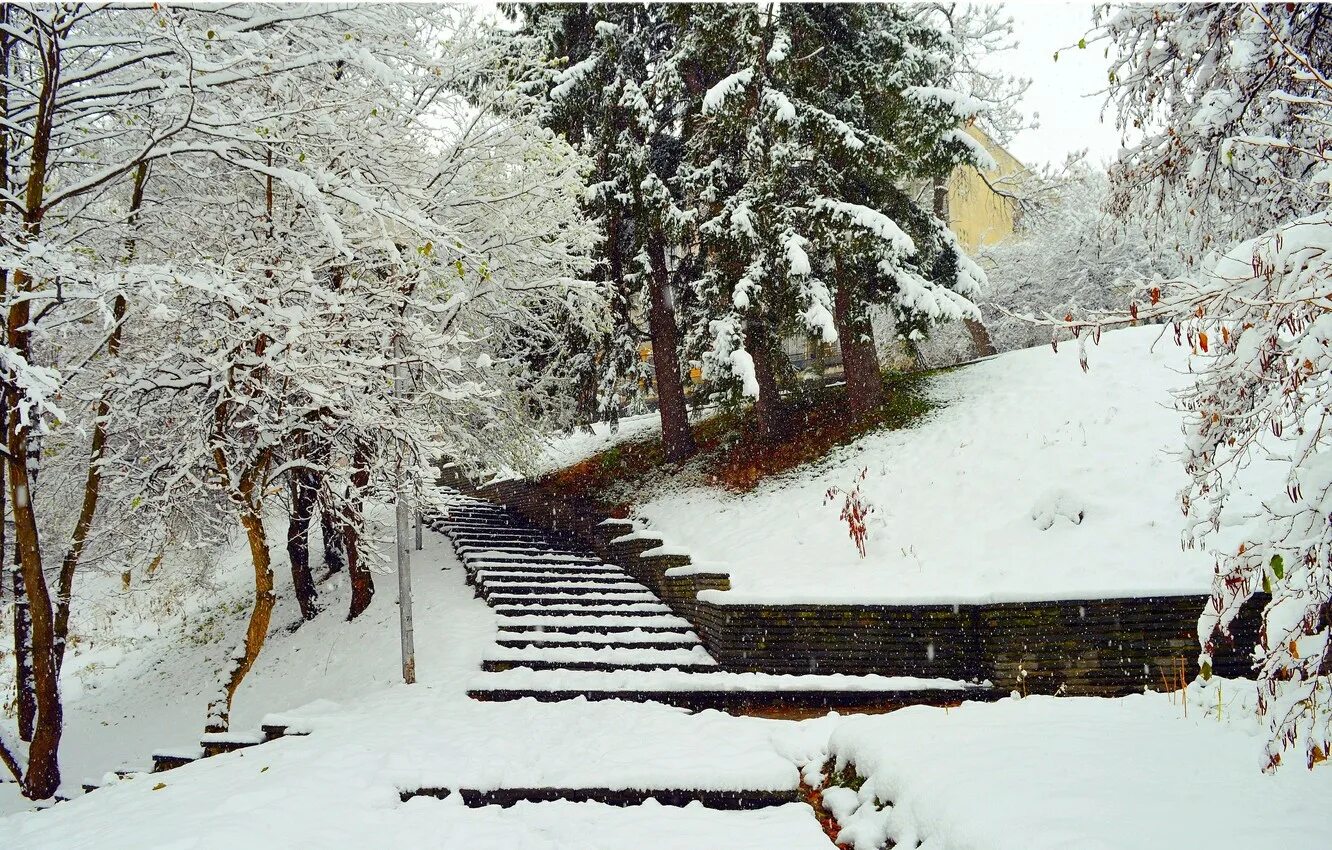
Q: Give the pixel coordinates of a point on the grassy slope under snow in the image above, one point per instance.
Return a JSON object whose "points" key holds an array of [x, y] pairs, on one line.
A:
{"points": [[981, 500]]}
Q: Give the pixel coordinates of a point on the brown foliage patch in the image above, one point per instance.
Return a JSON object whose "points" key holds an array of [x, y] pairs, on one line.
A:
{"points": [[734, 457]]}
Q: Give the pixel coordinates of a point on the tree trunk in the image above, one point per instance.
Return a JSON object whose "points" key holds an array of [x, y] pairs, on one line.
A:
{"points": [[980, 338], [769, 409], [860, 360], [331, 532], [304, 494], [26, 697], [981, 343], [362, 582], [42, 776], [92, 485], [676, 436], [219, 711]]}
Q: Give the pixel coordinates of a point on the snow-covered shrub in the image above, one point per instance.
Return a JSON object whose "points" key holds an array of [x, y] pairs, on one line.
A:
{"points": [[1072, 258], [1234, 103]]}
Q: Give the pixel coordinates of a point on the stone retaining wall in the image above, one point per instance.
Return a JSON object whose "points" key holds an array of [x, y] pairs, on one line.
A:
{"points": [[1101, 647]]}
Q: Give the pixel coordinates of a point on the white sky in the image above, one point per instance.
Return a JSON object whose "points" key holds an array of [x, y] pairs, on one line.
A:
{"points": [[1064, 93]]}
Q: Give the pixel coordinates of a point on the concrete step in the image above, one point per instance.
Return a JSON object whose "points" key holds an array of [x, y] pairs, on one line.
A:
{"points": [[525, 553], [490, 587], [528, 623], [745, 693], [496, 665], [741, 800], [516, 549], [460, 540], [504, 532], [548, 560], [612, 575], [784, 703], [545, 569], [632, 643], [636, 609], [597, 600], [480, 518]]}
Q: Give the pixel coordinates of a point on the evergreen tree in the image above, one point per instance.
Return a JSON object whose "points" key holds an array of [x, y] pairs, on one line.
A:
{"points": [[613, 93], [815, 121]]}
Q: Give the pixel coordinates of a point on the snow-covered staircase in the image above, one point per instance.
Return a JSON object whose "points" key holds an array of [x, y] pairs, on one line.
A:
{"points": [[571, 625], [561, 607]]}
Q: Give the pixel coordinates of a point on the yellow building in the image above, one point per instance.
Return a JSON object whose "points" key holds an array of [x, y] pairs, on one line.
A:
{"points": [[976, 212]]}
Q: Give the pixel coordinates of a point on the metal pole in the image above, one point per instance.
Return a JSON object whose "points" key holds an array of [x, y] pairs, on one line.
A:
{"points": [[404, 548], [405, 588], [418, 531]]}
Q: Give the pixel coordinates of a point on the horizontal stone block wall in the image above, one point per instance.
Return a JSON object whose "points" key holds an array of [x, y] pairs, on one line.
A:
{"points": [[1099, 647], [1103, 647], [914, 640]]}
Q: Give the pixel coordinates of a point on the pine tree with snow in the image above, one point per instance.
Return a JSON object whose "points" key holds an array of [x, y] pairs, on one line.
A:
{"points": [[816, 120], [614, 94]]}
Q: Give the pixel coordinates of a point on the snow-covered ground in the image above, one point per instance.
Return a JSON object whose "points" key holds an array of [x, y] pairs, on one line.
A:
{"points": [[1028, 773], [568, 449], [1045, 772], [1032, 480]]}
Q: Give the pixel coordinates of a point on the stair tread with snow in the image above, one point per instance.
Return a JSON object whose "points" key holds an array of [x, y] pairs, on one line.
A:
{"points": [[628, 610], [566, 581], [695, 655], [635, 640], [492, 556], [569, 624], [561, 589]]}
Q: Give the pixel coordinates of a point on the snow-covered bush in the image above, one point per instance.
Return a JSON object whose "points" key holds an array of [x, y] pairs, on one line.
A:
{"points": [[1071, 258], [1234, 103]]}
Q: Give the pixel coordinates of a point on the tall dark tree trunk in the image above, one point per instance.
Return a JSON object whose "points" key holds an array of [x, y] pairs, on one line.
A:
{"points": [[304, 495], [362, 581], [860, 359], [769, 409], [981, 344], [676, 436], [42, 777], [330, 529], [26, 698]]}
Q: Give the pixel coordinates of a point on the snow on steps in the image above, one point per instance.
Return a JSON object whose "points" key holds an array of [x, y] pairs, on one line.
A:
{"points": [[727, 691], [643, 657], [572, 626], [216, 744], [748, 800]]}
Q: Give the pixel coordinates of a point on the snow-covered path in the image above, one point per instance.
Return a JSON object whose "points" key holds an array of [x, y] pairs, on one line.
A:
{"points": [[1019, 773], [342, 784]]}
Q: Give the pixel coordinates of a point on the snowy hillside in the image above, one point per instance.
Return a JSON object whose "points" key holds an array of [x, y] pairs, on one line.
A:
{"points": [[1033, 480]]}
